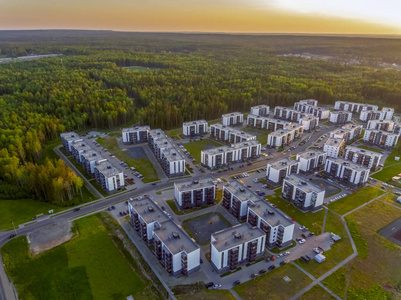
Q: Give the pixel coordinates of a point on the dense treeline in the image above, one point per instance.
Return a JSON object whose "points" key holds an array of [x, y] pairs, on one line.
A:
{"points": [[88, 87]]}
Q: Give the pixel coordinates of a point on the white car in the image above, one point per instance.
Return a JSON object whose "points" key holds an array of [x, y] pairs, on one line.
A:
{"points": [[286, 253], [302, 241], [316, 250], [302, 228], [217, 286]]}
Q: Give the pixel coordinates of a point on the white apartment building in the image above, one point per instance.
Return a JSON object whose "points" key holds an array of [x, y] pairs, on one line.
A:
{"points": [[109, 178], [225, 155], [278, 170], [88, 161], [311, 160], [366, 158], [320, 112], [236, 245], [171, 161], [346, 171], [302, 193], [229, 134], [340, 117], [135, 135], [312, 102], [195, 193], [285, 136], [193, 128], [260, 110], [354, 131], [236, 198], [175, 250], [380, 138], [67, 138], [285, 113], [261, 122], [278, 228], [78, 147], [380, 125], [385, 114], [334, 147], [353, 106], [232, 119], [309, 121], [397, 128]]}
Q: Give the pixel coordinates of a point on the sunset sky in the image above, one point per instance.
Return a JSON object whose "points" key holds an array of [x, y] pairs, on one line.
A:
{"points": [[258, 16]]}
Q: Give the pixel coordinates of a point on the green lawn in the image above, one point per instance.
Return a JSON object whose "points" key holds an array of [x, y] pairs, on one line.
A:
{"points": [[47, 150], [354, 200], [370, 148], [271, 285], [366, 276], [338, 252], [387, 173], [89, 266], [175, 209], [208, 294], [175, 133], [317, 293], [313, 221], [261, 135], [195, 148], [142, 165], [395, 152]]}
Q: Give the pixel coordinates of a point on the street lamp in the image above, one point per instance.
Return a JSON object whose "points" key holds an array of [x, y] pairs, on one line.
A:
{"points": [[15, 231]]}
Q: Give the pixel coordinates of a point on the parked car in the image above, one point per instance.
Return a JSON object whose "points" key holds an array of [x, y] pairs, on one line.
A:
{"points": [[267, 259], [304, 259], [286, 253], [237, 282], [311, 234], [262, 271], [201, 261], [254, 275], [12, 235], [77, 209], [271, 267], [209, 284], [217, 286], [283, 263], [316, 250], [302, 241], [273, 257]]}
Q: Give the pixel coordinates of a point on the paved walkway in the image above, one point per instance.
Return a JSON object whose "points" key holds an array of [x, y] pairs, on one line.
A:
{"points": [[234, 293]]}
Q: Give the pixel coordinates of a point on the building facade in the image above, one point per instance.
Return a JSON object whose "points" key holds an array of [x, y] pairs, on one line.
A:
{"points": [[194, 128], [285, 136], [346, 171], [260, 110], [233, 119], [334, 147], [340, 117], [67, 138], [311, 160], [278, 170], [135, 135], [353, 106], [386, 113], [380, 138], [108, 177], [229, 134], [380, 125], [366, 158], [195, 193]]}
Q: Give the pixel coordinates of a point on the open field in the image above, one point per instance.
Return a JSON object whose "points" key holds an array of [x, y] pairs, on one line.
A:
{"points": [[261, 135], [395, 152], [387, 173], [208, 294], [176, 133], [375, 273], [338, 252], [317, 293], [195, 148], [271, 285], [142, 165], [313, 221], [92, 265], [370, 148], [356, 199]]}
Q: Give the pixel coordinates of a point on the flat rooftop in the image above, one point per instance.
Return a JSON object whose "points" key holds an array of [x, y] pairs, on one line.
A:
{"points": [[81, 146], [260, 106], [91, 155], [218, 150], [348, 163], [136, 128], [283, 163], [308, 154], [149, 211], [70, 136], [363, 151], [232, 114], [241, 192], [341, 112], [195, 184], [188, 123], [333, 142], [245, 144], [280, 132], [351, 126], [233, 236], [172, 155], [175, 238], [107, 169], [157, 133], [274, 218], [387, 109], [304, 184]]}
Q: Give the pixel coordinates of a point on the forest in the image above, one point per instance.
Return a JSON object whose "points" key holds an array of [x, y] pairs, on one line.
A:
{"points": [[191, 77]]}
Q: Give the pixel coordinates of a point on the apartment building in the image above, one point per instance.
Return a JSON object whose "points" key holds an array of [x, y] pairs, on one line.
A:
{"points": [[67, 138], [260, 122], [380, 125], [312, 102], [77, 148], [135, 135], [233, 119], [260, 110], [278, 170], [193, 128], [320, 112], [305, 105], [309, 121], [386, 113], [225, 155], [88, 161], [311, 160], [346, 171], [236, 245], [340, 117], [108, 177], [236, 198], [145, 216], [195, 193], [397, 128], [175, 250], [171, 161], [229, 134], [366, 158], [380, 138], [285, 113], [277, 227], [285, 136], [334, 147], [353, 106], [302, 193], [354, 131]]}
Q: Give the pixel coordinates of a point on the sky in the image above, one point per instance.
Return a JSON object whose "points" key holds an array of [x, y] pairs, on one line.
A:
{"points": [[242, 16]]}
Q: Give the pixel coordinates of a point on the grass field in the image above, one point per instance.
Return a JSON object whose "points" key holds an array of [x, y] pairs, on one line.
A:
{"points": [[317, 293], [338, 252], [208, 294], [395, 152], [271, 285], [370, 148], [176, 133], [354, 200], [261, 135], [142, 165], [89, 266], [376, 271], [195, 148], [313, 221], [387, 173]]}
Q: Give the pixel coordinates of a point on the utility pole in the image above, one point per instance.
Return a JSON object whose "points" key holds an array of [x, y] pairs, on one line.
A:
{"points": [[15, 231]]}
